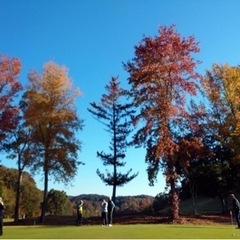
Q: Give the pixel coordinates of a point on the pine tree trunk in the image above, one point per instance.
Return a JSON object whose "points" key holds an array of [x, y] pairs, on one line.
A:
{"points": [[115, 183], [115, 155], [114, 193]]}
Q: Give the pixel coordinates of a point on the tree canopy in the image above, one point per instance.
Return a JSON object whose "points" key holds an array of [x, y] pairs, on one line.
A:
{"points": [[50, 112], [9, 88], [162, 74]]}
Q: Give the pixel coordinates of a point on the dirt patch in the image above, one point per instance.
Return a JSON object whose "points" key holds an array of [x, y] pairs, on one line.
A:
{"points": [[129, 219], [184, 219], [205, 219]]}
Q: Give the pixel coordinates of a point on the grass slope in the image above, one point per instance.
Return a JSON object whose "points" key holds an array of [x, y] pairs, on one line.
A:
{"points": [[204, 205]]}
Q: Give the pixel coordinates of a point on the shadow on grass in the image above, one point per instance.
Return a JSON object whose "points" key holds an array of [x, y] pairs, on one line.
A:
{"points": [[124, 219]]}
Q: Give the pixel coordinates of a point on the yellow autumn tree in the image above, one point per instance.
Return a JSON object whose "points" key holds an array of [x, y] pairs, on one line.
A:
{"points": [[231, 80], [222, 88], [50, 112]]}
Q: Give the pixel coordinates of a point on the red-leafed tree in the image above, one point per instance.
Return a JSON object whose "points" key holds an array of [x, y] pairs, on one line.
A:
{"points": [[9, 87], [162, 75]]}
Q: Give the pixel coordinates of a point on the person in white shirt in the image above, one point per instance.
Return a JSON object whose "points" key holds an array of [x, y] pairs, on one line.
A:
{"points": [[104, 209]]}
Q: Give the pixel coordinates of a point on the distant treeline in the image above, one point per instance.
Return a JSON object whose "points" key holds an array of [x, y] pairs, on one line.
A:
{"points": [[58, 201], [129, 204]]}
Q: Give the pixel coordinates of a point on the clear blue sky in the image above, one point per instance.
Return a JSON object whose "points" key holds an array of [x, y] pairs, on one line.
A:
{"points": [[92, 38]]}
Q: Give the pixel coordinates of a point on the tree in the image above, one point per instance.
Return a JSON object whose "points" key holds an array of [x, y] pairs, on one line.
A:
{"points": [[221, 126], [2, 188], [50, 112], [19, 146], [57, 202], [162, 74], [9, 87], [116, 117], [31, 197], [222, 90], [160, 202], [30, 204]]}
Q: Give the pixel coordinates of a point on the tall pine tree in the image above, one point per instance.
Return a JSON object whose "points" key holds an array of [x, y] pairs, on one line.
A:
{"points": [[116, 118]]}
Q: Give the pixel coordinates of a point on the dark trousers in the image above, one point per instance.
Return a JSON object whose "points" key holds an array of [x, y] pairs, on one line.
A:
{"points": [[110, 214], [1, 225], [237, 217], [104, 218], [79, 219]]}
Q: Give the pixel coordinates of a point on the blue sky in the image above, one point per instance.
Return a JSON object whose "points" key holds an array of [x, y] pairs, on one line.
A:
{"points": [[92, 38]]}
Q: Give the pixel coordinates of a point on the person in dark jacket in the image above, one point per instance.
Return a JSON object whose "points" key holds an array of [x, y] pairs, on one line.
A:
{"points": [[111, 206], [1, 215], [236, 209]]}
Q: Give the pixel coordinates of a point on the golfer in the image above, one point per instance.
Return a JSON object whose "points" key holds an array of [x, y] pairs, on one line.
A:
{"points": [[104, 208], [111, 206], [235, 208], [80, 213], [1, 216]]}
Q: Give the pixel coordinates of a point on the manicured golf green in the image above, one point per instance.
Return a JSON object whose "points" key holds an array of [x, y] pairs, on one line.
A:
{"points": [[139, 231]]}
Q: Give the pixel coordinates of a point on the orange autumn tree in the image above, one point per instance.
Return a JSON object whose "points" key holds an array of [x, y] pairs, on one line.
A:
{"points": [[162, 74], [50, 112], [9, 87]]}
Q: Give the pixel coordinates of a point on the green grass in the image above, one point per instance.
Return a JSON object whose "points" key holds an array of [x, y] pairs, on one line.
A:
{"points": [[139, 231]]}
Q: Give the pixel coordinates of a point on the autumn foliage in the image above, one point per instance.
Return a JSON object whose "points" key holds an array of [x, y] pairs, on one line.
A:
{"points": [[50, 112], [9, 87], [162, 74], [221, 86], [189, 141]]}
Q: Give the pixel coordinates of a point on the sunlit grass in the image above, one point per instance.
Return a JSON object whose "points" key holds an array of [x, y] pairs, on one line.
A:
{"points": [[8, 220], [139, 231]]}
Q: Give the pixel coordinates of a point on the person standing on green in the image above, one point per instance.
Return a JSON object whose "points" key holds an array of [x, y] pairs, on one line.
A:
{"points": [[235, 209], [111, 206], [1, 216], [104, 208], [80, 213]]}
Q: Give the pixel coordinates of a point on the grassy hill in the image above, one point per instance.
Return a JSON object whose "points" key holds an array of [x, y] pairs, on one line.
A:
{"points": [[204, 205], [127, 204]]}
